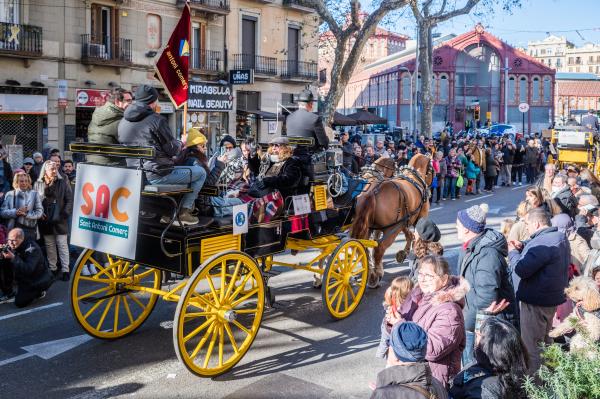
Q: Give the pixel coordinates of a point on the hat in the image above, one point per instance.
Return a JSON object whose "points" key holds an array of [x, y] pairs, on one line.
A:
{"points": [[37, 155], [473, 218], [28, 160], [227, 139], [146, 94], [409, 342], [306, 96], [194, 137], [280, 141], [428, 230]]}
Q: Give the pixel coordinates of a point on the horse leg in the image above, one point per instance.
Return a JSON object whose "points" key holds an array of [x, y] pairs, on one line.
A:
{"points": [[403, 253], [378, 253]]}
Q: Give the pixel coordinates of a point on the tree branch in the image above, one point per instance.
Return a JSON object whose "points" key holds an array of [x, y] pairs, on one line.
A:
{"points": [[415, 10], [437, 18], [323, 11]]}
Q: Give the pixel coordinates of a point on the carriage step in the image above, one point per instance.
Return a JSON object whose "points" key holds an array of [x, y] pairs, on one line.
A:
{"points": [[271, 273]]}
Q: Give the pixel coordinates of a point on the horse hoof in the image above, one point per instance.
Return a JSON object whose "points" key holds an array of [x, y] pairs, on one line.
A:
{"points": [[400, 256], [374, 281]]}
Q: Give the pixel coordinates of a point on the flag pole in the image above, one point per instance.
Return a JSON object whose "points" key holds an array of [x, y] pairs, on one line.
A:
{"points": [[185, 105]]}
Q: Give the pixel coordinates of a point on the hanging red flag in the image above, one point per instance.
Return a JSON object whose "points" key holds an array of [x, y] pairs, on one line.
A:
{"points": [[173, 64]]}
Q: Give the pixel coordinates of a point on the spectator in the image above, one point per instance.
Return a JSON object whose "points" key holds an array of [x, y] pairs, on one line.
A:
{"points": [[397, 292], [531, 161], [141, 125], [508, 152], [500, 364], [596, 276], [347, 151], [544, 183], [563, 196], [28, 168], [575, 188], [22, 207], [517, 169], [586, 205], [57, 201], [370, 155], [542, 266], [436, 305], [491, 170], [477, 153], [440, 169], [471, 173], [402, 160], [380, 151], [453, 166], [518, 231], [577, 244], [426, 242], [482, 263], [407, 375], [6, 174], [69, 171], [27, 262], [38, 161]]}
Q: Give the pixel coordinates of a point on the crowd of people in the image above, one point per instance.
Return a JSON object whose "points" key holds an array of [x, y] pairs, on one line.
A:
{"points": [[480, 334]]}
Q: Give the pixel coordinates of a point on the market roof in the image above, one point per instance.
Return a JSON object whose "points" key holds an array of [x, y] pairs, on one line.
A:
{"points": [[576, 76], [579, 88]]}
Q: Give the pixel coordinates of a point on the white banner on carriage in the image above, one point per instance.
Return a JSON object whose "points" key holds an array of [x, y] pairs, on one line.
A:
{"points": [[301, 204], [106, 206], [240, 219]]}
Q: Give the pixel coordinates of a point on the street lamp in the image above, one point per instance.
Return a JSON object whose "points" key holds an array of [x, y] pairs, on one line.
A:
{"points": [[405, 69]]}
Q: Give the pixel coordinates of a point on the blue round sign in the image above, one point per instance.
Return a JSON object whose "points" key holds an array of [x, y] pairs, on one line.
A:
{"points": [[240, 219]]}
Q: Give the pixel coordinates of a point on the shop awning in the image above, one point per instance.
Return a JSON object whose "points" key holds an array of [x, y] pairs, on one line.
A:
{"points": [[23, 104], [364, 117], [343, 120], [268, 116]]}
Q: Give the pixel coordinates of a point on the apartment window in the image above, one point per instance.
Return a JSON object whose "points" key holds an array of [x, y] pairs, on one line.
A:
{"points": [[570, 60], [198, 56], [406, 87], [104, 23], [577, 60], [577, 69], [249, 35], [543, 51], [523, 90], [590, 69], [536, 90], [598, 59], [549, 51], [558, 65], [293, 44], [9, 11], [547, 89], [323, 76], [444, 85], [153, 31], [591, 59]]}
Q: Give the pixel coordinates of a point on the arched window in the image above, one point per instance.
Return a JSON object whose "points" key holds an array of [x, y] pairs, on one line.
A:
{"points": [[535, 95], [444, 85], [406, 87], [523, 89], [547, 89], [434, 88], [512, 92]]}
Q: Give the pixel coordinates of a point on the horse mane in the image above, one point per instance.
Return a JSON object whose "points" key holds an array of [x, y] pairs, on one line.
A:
{"points": [[386, 166]]}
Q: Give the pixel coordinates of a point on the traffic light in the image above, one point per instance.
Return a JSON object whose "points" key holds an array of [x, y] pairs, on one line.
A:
{"points": [[476, 113]]}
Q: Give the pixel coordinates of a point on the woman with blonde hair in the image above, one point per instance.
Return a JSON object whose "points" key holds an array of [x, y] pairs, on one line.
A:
{"points": [[22, 207], [518, 231]]}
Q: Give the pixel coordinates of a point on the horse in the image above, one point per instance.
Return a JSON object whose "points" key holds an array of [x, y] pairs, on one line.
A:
{"points": [[390, 206]]}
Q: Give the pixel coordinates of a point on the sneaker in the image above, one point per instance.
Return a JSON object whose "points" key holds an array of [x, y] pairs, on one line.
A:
{"points": [[85, 271], [92, 269], [520, 184], [165, 219], [453, 199], [186, 218], [7, 298]]}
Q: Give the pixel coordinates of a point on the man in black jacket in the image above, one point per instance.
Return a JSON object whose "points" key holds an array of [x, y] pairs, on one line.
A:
{"points": [[482, 263], [508, 155], [142, 126], [30, 272], [562, 195]]}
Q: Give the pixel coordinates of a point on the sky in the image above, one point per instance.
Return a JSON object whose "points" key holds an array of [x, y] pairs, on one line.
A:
{"points": [[530, 22]]}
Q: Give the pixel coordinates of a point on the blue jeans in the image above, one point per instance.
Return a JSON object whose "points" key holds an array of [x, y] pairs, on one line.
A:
{"points": [[181, 175], [467, 355], [224, 205], [450, 187]]}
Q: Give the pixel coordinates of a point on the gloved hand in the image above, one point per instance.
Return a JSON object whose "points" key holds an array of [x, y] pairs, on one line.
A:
{"points": [[260, 184]]}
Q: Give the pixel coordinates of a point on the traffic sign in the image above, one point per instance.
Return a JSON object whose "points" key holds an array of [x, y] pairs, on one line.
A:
{"points": [[523, 107]]}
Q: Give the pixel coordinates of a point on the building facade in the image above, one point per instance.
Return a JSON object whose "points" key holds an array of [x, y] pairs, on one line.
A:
{"points": [[60, 60], [468, 77], [551, 51], [575, 95]]}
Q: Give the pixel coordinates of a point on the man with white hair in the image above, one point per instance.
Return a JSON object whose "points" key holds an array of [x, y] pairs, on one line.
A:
{"points": [[561, 193]]}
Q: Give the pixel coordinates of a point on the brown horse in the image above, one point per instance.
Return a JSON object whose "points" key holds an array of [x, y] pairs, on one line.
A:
{"points": [[391, 206]]}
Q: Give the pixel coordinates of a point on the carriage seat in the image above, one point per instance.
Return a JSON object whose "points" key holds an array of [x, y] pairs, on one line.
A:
{"points": [[166, 188]]}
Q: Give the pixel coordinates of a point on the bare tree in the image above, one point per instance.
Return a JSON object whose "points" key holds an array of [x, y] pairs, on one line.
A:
{"points": [[349, 34], [428, 14]]}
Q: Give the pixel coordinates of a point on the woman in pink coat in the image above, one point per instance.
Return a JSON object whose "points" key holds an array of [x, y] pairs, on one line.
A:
{"points": [[436, 305]]}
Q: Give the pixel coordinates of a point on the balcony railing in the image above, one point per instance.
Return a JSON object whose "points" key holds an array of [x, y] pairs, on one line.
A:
{"points": [[106, 50], [261, 65], [220, 7], [206, 60], [25, 40], [300, 5], [292, 69]]}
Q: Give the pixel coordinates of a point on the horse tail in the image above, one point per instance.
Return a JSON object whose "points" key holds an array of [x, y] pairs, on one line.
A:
{"points": [[362, 219]]}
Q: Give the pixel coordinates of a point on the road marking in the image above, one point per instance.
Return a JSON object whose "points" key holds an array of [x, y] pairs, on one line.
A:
{"points": [[520, 187], [436, 209], [50, 349], [10, 316], [478, 198]]}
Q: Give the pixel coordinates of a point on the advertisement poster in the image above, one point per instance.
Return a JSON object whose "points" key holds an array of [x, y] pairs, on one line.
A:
{"points": [[106, 208]]}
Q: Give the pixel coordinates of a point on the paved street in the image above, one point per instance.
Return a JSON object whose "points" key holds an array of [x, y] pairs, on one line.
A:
{"points": [[298, 353]]}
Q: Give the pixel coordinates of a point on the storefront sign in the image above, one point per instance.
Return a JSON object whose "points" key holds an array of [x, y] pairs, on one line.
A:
{"points": [[23, 104], [166, 107], [205, 96], [106, 208], [63, 89], [241, 76], [92, 98]]}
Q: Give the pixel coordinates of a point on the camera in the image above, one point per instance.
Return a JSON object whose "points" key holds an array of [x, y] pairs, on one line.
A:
{"points": [[4, 249]]}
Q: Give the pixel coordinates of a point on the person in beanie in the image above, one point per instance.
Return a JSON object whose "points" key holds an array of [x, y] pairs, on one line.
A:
{"points": [[38, 161], [427, 237], [407, 374], [482, 262], [142, 126]]}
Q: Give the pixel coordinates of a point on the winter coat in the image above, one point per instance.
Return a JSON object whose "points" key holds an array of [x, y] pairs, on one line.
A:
{"points": [[30, 270], [141, 126], [531, 155], [189, 157], [472, 170], [593, 259], [454, 165], [478, 156], [475, 382], [35, 171], [12, 203], [288, 179], [6, 176], [64, 201], [542, 268], [519, 155], [440, 315], [348, 154], [566, 201], [483, 265], [393, 382], [104, 129], [491, 166], [518, 231], [443, 168], [508, 154], [580, 250]]}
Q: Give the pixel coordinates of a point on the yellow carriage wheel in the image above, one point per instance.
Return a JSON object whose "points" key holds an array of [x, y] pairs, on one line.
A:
{"points": [[109, 303], [345, 278], [219, 313]]}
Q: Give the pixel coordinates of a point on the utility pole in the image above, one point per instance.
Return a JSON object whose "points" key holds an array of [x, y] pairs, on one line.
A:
{"points": [[506, 69], [415, 102]]}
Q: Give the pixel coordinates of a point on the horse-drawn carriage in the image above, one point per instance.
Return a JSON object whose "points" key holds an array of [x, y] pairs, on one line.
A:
{"points": [[224, 268], [576, 145]]}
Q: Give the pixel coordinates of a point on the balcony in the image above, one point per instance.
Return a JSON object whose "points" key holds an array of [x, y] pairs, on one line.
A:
{"points": [[298, 70], [20, 40], [219, 7], [299, 5], [206, 61], [261, 65], [106, 50]]}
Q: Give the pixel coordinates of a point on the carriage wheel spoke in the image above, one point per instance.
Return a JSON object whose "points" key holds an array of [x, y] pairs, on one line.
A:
{"points": [[242, 299], [358, 271], [222, 291], [339, 300], [213, 339], [336, 275], [108, 271], [240, 287], [127, 310], [140, 304], [93, 308], [231, 338], [89, 294], [108, 305], [125, 268], [331, 286], [212, 289], [141, 276], [202, 342], [336, 293], [95, 279], [221, 344], [193, 315], [200, 328], [203, 300], [352, 293], [116, 323], [246, 311], [346, 298], [241, 327], [233, 279]]}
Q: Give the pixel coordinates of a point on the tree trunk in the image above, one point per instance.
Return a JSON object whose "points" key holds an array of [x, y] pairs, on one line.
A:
{"points": [[426, 97]]}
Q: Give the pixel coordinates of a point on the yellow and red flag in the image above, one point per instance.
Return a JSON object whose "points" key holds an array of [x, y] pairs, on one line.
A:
{"points": [[173, 64]]}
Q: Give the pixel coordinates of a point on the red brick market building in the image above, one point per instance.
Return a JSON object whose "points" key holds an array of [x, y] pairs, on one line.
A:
{"points": [[468, 71]]}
